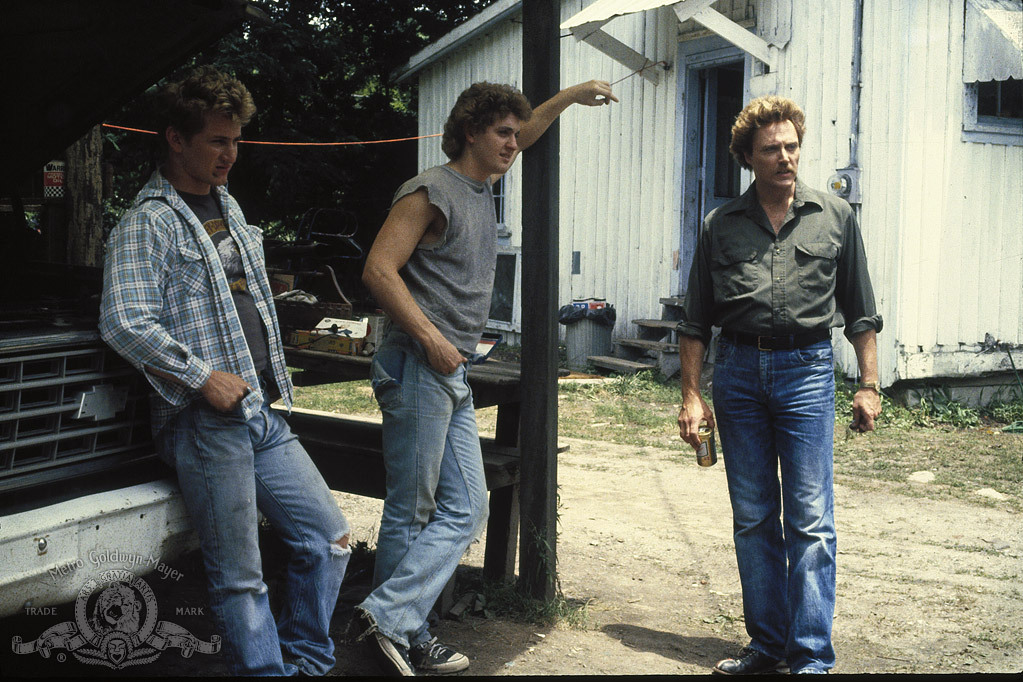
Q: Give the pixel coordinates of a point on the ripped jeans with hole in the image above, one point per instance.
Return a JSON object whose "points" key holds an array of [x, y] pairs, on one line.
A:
{"points": [[436, 502], [227, 469]]}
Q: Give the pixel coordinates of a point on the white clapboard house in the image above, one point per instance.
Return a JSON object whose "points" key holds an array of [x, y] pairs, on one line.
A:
{"points": [[914, 114]]}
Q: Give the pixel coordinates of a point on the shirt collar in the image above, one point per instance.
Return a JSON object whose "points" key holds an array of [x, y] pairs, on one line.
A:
{"points": [[747, 202], [159, 187], [473, 183], [805, 195]]}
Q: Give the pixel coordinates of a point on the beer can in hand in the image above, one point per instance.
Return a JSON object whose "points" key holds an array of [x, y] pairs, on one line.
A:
{"points": [[706, 454]]}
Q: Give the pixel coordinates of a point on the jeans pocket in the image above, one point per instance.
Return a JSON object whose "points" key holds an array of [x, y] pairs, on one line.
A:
{"points": [[724, 352], [386, 374], [209, 419], [259, 426], [816, 355]]}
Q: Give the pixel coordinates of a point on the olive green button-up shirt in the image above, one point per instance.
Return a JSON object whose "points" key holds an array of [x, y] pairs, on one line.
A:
{"points": [[812, 275]]}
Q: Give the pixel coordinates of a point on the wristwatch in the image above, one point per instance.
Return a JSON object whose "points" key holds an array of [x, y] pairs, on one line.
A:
{"points": [[873, 385]]}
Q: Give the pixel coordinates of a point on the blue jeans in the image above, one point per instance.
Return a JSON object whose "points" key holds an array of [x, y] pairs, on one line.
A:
{"points": [[227, 469], [436, 502], [778, 407]]}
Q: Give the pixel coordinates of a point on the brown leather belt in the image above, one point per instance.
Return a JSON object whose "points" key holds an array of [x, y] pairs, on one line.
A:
{"points": [[789, 342]]}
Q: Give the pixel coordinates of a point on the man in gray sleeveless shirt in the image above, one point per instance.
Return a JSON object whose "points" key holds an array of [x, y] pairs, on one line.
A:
{"points": [[431, 269]]}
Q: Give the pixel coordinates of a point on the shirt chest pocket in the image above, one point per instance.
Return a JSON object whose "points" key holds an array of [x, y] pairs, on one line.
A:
{"points": [[735, 270], [192, 276], [816, 263]]}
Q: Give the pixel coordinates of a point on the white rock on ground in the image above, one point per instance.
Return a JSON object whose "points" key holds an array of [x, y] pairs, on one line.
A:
{"points": [[990, 492]]}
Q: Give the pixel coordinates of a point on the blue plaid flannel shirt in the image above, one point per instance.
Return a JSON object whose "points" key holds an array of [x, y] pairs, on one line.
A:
{"points": [[167, 306]]}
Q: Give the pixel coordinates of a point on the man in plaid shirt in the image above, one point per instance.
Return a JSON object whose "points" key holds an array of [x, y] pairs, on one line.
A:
{"points": [[187, 301]]}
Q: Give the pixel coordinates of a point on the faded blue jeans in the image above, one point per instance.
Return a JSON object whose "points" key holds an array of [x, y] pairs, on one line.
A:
{"points": [[778, 407], [436, 502], [227, 469]]}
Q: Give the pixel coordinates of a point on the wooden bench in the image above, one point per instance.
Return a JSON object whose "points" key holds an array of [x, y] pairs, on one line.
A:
{"points": [[348, 452]]}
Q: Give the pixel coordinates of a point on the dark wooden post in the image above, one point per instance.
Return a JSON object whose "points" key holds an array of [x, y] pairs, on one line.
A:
{"points": [[83, 189], [541, 61]]}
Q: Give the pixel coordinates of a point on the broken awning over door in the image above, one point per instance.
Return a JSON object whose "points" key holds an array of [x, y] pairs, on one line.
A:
{"points": [[605, 10], [586, 26], [993, 43]]}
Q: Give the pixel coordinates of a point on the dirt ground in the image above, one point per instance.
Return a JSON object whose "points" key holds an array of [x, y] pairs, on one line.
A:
{"points": [[645, 542]]}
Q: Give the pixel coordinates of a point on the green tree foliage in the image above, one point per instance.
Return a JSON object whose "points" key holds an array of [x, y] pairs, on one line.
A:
{"points": [[320, 73]]}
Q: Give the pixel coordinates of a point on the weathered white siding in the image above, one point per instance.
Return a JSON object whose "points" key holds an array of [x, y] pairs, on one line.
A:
{"points": [[947, 213], [618, 201], [942, 218]]}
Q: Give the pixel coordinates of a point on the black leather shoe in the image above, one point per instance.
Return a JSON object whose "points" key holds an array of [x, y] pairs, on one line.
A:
{"points": [[751, 662]]}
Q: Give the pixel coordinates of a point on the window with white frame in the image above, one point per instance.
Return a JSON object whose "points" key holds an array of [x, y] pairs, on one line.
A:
{"points": [[993, 72], [504, 308], [500, 190], [994, 112], [504, 301]]}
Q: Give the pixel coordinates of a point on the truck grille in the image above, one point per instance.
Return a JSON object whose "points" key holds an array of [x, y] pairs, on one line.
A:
{"points": [[69, 411]]}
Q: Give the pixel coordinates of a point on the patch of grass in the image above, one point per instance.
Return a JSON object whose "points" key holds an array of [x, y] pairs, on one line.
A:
{"points": [[506, 353], [504, 600], [628, 409], [973, 549], [647, 386], [348, 397], [961, 445], [571, 388], [980, 573], [996, 640], [628, 413], [1005, 412]]}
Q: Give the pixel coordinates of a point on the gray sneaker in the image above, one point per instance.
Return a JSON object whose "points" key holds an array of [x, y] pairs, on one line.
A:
{"points": [[434, 657]]}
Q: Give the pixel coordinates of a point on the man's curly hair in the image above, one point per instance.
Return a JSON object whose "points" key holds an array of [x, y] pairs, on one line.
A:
{"points": [[761, 112], [184, 104], [478, 107]]}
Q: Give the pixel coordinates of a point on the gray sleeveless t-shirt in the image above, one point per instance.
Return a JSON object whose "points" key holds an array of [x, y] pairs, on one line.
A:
{"points": [[452, 279]]}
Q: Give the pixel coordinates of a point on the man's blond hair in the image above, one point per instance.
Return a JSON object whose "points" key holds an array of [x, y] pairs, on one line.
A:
{"points": [[761, 112]]}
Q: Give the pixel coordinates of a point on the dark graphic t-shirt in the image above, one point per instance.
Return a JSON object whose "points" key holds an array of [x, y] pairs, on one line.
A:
{"points": [[207, 211]]}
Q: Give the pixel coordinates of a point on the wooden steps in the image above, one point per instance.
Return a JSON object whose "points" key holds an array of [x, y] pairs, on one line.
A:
{"points": [[646, 345], [621, 365], [657, 324], [655, 345]]}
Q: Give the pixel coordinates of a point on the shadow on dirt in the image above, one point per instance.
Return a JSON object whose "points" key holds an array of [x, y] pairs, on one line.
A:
{"points": [[702, 651]]}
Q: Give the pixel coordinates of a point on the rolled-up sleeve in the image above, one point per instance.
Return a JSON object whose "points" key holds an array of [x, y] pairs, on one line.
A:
{"points": [[132, 303], [699, 300], [853, 291]]}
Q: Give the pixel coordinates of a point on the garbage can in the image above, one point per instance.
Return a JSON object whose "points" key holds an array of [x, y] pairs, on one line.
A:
{"points": [[588, 326]]}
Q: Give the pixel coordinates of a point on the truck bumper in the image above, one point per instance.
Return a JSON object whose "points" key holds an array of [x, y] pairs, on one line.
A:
{"points": [[48, 554]]}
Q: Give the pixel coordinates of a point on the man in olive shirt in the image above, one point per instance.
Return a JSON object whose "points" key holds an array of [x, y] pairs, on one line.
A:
{"points": [[776, 269]]}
